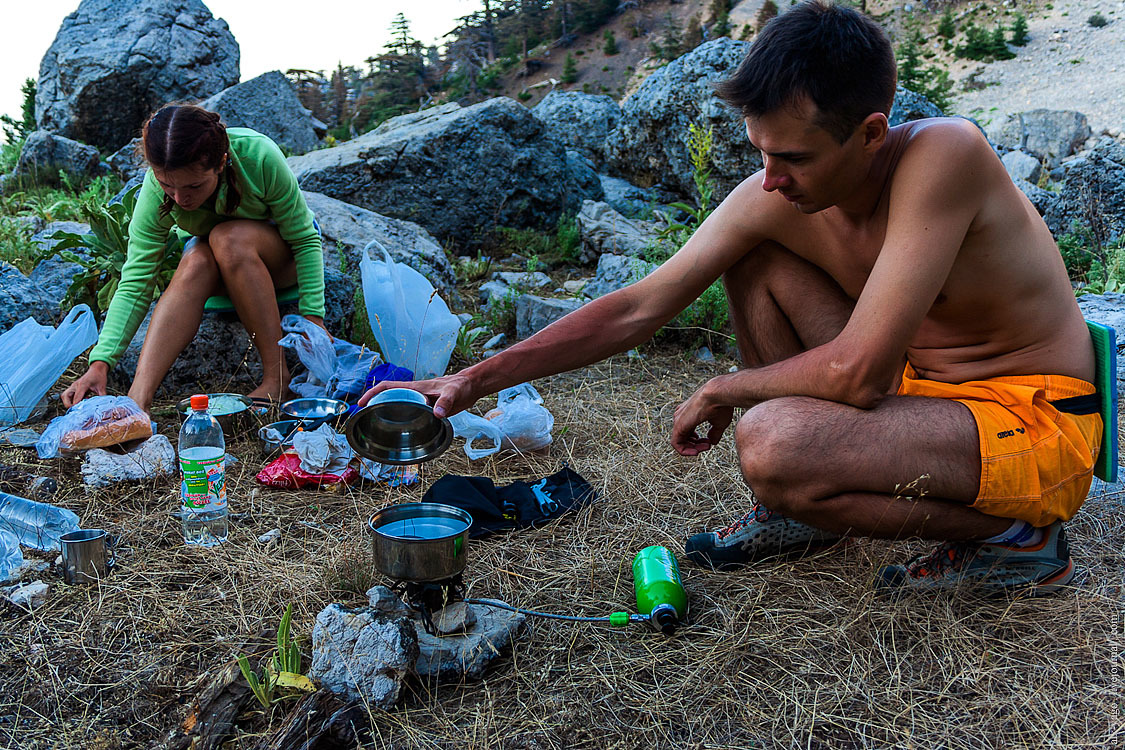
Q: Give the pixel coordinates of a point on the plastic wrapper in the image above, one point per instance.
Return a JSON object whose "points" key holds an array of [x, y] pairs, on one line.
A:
{"points": [[519, 422], [412, 324], [33, 357], [96, 422], [335, 368], [285, 472]]}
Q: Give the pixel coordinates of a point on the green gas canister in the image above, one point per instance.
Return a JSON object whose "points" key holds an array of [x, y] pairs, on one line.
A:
{"points": [[660, 593]]}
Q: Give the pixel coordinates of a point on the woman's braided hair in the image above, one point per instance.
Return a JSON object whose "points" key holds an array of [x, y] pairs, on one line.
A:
{"points": [[185, 135]]}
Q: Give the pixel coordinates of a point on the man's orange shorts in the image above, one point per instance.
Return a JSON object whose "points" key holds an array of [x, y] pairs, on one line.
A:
{"points": [[1036, 461]]}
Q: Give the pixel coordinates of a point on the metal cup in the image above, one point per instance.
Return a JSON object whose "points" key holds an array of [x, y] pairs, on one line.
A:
{"points": [[85, 555]]}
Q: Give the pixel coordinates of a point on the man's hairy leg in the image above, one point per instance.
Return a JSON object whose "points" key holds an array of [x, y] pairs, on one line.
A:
{"points": [[782, 305], [908, 468]]}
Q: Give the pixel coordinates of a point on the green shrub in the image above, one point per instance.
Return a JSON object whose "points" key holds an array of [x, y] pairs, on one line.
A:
{"points": [[1020, 37], [946, 28], [1097, 20], [610, 47], [16, 246], [570, 70], [524, 95]]}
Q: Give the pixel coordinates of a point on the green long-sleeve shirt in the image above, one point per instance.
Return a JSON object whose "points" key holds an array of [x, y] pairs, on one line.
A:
{"points": [[269, 190]]}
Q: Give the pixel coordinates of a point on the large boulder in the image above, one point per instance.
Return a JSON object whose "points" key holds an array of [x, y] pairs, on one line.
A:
{"points": [[604, 230], [127, 162], [347, 230], [909, 106], [582, 183], [269, 105], [615, 272], [44, 155], [534, 313], [115, 61], [579, 121], [457, 171], [1093, 191], [625, 197], [55, 274], [22, 298], [1048, 135], [649, 147]]}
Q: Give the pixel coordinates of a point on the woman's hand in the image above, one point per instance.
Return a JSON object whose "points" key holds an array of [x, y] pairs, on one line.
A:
{"points": [[320, 322], [449, 394], [93, 382]]}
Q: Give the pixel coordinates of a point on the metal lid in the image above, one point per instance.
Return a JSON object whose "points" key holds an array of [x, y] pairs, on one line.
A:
{"points": [[398, 432]]}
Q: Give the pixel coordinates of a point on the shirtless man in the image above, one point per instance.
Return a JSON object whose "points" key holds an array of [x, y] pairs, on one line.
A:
{"points": [[857, 251]]}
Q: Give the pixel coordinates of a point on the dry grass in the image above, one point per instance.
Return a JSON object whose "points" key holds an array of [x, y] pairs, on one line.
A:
{"points": [[791, 654]]}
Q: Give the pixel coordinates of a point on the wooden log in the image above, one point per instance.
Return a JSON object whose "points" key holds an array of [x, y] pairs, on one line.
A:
{"points": [[320, 721]]}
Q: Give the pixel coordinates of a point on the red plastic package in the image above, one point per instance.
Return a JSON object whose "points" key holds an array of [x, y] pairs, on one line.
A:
{"points": [[285, 472]]}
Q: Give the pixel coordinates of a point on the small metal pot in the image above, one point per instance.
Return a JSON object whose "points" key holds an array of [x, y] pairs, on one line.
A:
{"points": [[419, 542], [234, 423], [398, 427], [313, 412]]}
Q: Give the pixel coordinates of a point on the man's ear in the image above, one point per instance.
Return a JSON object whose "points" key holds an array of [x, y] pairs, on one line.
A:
{"points": [[874, 128]]}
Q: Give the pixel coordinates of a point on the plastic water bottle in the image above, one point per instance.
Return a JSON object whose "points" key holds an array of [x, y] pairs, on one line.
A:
{"points": [[660, 592], [203, 491], [34, 524]]}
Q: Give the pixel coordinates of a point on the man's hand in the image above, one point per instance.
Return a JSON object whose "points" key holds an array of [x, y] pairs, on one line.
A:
{"points": [[449, 394], [690, 415], [93, 382]]}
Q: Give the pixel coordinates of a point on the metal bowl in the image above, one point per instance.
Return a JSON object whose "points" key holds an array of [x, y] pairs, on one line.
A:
{"points": [[419, 541], [393, 431], [313, 412], [287, 427], [233, 422]]}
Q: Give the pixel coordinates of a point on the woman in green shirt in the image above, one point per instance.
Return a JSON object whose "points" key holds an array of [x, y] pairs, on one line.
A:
{"points": [[250, 233]]}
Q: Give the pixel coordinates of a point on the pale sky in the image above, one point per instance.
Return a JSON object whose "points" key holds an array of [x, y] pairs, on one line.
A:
{"points": [[272, 34]]}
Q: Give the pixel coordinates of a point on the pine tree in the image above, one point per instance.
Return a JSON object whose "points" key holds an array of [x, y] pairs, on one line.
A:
{"points": [[1020, 37], [693, 35], [998, 46], [765, 13], [672, 45], [610, 47], [946, 29], [16, 130], [570, 70]]}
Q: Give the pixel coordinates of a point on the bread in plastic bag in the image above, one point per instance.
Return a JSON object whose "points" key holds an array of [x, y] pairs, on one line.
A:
{"points": [[412, 324], [96, 422], [33, 357]]}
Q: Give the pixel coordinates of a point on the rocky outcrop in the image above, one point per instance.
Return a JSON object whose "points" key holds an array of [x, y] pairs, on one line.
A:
{"points": [[1092, 193], [455, 170], [579, 121], [22, 298], [54, 274], [269, 105], [649, 147], [44, 155], [127, 161], [582, 183], [625, 197], [1048, 135], [909, 106], [1022, 166], [347, 229], [604, 230], [536, 313], [115, 61]]}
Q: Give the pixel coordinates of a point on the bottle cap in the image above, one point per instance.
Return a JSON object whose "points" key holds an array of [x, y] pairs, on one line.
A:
{"points": [[199, 402]]}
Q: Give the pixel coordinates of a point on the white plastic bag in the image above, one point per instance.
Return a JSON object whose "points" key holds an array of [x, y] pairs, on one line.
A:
{"points": [[33, 357], [473, 427], [522, 418], [335, 368], [410, 321]]}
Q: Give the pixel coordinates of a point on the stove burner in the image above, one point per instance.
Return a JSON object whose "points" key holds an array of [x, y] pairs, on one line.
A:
{"points": [[430, 597]]}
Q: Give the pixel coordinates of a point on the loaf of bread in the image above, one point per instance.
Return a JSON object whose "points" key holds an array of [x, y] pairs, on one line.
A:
{"points": [[111, 427]]}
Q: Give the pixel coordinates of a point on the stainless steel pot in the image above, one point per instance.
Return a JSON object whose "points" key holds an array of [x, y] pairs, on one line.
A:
{"points": [[419, 542], [234, 422]]}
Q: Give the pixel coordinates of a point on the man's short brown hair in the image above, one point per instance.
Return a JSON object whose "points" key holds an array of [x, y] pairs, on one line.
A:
{"points": [[837, 57]]}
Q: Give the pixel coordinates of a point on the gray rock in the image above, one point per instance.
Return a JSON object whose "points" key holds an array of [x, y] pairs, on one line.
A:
{"points": [[491, 291], [496, 341], [536, 313], [604, 230], [575, 286], [221, 352], [582, 182], [44, 155], [467, 655], [115, 61], [909, 105], [269, 105], [127, 162], [348, 229], [523, 279], [1043, 200], [1022, 166], [457, 171], [358, 655], [1048, 135], [625, 197], [1108, 309], [154, 457], [703, 354], [22, 298], [1093, 188], [615, 272], [30, 596], [54, 274], [649, 145], [386, 603], [579, 121]]}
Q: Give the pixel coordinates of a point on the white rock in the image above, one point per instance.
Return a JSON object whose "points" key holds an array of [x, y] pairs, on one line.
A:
{"points": [[31, 595]]}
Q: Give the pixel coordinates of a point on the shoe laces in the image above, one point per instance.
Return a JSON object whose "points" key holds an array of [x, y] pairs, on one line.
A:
{"points": [[758, 514], [947, 557]]}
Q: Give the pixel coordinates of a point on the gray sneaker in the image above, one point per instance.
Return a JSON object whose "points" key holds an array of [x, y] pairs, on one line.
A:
{"points": [[986, 568], [758, 535]]}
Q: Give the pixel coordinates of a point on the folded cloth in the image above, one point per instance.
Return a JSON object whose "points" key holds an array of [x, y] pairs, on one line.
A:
{"points": [[518, 505]]}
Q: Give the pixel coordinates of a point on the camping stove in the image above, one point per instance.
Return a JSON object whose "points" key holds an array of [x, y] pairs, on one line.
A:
{"points": [[429, 597]]}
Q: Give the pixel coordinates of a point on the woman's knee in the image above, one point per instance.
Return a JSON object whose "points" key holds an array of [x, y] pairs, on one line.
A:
{"points": [[197, 266]]}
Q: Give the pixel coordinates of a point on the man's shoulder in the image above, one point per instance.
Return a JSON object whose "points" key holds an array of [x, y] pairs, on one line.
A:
{"points": [[952, 136]]}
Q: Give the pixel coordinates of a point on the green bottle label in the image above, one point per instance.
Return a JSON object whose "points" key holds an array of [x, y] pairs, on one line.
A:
{"points": [[204, 487]]}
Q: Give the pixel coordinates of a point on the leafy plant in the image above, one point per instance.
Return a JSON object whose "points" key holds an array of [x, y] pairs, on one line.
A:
{"points": [[700, 144], [610, 47], [473, 269], [16, 246], [467, 338], [102, 253], [946, 28], [283, 669], [500, 315]]}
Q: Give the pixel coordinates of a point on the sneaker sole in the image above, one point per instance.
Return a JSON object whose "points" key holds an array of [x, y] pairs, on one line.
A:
{"points": [[792, 552]]}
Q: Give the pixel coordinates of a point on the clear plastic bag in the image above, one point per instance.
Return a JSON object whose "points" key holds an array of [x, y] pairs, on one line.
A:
{"points": [[473, 427], [412, 324], [95, 422], [335, 368], [33, 357], [524, 421]]}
